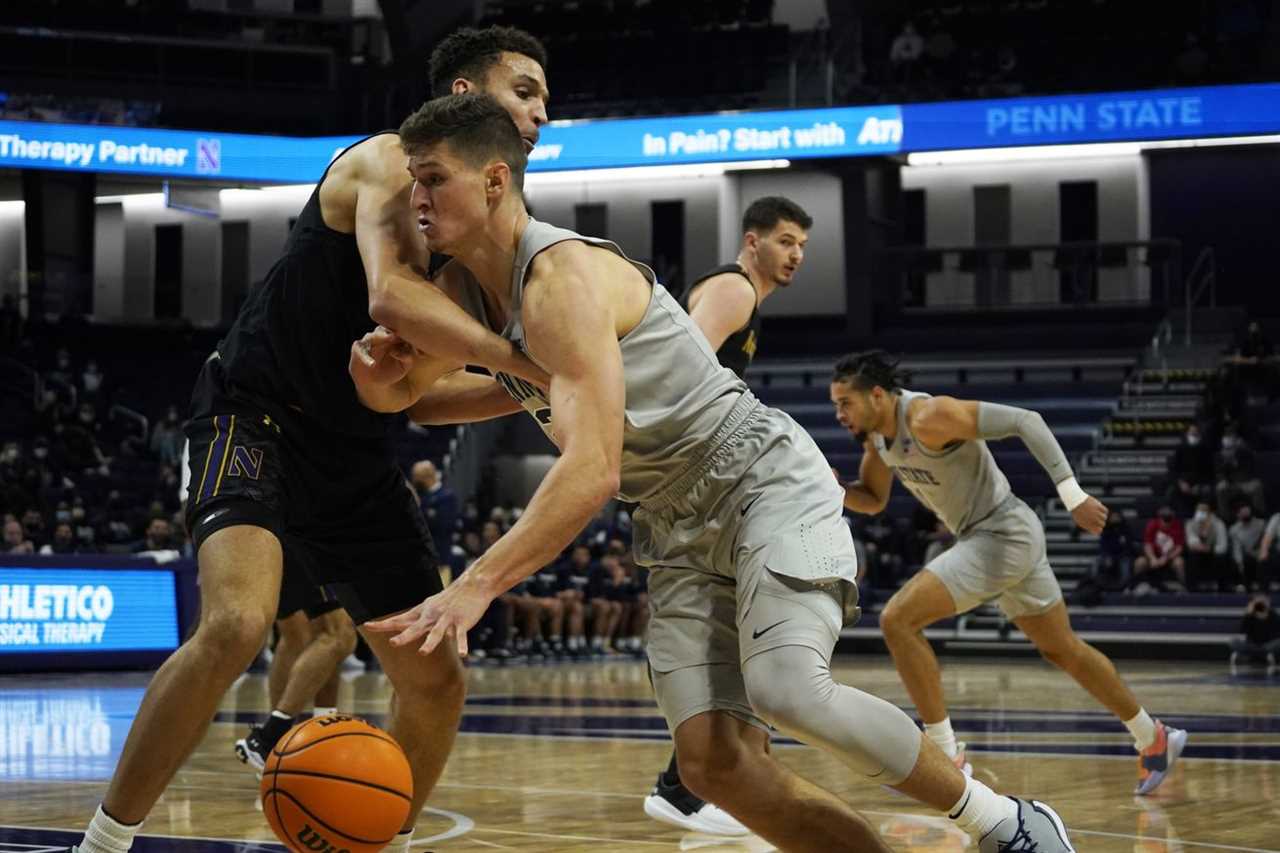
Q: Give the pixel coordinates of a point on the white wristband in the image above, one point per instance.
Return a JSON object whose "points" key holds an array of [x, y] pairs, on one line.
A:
{"points": [[1071, 494]]}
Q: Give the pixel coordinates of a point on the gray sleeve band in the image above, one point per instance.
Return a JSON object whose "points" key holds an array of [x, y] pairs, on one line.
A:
{"points": [[996, 421]]}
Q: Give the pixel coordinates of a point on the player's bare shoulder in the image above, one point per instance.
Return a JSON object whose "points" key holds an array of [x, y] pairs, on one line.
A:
{"points": [[375, 166], [600, 274]]}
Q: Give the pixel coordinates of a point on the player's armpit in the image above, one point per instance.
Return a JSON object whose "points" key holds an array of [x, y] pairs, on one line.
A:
{"points": [[724, 306]]}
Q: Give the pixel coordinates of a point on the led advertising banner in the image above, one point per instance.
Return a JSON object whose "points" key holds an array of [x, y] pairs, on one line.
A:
{"points": [[1113, 117], [713, 138], [52, 610], [719, 138], [167, 153]]}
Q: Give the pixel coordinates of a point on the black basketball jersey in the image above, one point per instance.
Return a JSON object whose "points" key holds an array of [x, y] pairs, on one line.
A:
{"points": [[290, 344], [739, 348]]}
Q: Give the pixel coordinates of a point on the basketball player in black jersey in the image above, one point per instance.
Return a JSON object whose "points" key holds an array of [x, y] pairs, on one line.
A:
{"points": [[286, 459], [725, 303]]}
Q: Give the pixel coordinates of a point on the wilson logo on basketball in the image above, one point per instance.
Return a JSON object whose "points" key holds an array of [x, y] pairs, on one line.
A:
{"points": [[312, 840]]}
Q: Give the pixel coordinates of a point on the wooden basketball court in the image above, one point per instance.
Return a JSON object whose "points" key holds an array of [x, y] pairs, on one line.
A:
{"points": [[559, 758]]}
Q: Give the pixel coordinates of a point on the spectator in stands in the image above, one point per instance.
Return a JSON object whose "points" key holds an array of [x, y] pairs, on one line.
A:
{"points": [[1269, 555], [168, 482], [1161, 564], [1253, 360], [1237, 474], [1261, 629], [63, 542], [15, 538], [112, 522], [1190, 471], [1192, 62], [1116, 549], [91, 381], [606, 602], [167, 439], [1207, 545], [439, 503], [906, 51], [635, 618], [885, 548], [573, 576], [1246, 544], [62, 372], [86, 536], [491, 532], [159, 537], [33, 527]]}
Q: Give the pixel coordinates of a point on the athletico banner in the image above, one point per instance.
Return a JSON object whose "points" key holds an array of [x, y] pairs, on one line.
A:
{"points": [[715, 138], [50, 610]]}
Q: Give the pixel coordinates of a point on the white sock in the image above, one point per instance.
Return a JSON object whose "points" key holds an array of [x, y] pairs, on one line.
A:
{"points": [[980, 809], [1143, 729], [942, 736], [107, 835], [323, 712], [399, 844], [281, 715]]}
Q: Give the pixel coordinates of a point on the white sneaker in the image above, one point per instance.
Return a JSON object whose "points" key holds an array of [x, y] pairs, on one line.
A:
{"points": [[675, 805]]}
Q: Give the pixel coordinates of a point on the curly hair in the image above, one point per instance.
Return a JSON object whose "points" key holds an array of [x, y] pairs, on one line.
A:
{"points": [[866, 370], [471, 52]]}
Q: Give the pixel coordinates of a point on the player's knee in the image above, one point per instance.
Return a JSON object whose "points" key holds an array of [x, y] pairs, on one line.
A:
{"points": [[237, 635], [896, 619], [1064, 653], [439, 681], [781, 691], [714, 774]]}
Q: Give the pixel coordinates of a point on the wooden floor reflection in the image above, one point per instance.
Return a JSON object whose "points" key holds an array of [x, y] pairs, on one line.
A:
{"points": [[559, 758]]}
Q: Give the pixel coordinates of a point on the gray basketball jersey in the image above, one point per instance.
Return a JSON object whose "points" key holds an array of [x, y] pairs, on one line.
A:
{"points": [[677, 394], [962, 484]]}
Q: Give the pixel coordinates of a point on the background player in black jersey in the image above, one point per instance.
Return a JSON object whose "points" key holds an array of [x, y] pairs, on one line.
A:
{"points": [[725, 303], [284, 456]]}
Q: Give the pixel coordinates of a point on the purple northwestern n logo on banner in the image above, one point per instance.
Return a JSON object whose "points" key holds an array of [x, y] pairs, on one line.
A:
{"points": [[208, 156]]}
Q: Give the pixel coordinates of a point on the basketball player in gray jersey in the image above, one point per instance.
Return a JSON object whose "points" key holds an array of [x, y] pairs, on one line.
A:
{"points": [[725, 305], [752, 564], [937, 448]]}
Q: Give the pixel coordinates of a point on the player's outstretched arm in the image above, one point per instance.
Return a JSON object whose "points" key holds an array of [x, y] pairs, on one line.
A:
{"points": [[401, 298], [869, 494], [724, 307], [570, 327], [461, 398], [941, 421]]}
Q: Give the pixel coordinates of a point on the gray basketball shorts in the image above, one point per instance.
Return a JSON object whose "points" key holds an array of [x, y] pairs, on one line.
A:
{"points": [[753, 555], [1002, 558]]}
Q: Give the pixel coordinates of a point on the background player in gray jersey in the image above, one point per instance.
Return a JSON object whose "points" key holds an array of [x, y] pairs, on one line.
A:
{"points": [[752, 564], [936, 446], [725, 304]]}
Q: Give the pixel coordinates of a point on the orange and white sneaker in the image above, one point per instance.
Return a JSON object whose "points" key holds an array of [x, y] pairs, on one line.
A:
{"points": [[960, 761], [1155, 763]]}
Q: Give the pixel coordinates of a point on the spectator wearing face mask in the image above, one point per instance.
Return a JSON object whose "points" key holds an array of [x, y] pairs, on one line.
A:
{"points": [[1116, 548], [1246, 544], [167, 439], [1162, 565], [1237, 474], [1208, 564], [1190, 472], [63, 542], [1260, 633]]}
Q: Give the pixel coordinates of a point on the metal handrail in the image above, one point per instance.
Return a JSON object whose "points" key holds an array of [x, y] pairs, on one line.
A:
{"points": [[1194, 289]]}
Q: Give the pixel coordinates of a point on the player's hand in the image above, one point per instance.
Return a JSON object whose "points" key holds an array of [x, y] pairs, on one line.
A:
{"points": [[447, 614], [1091, 515], [381, 358]]}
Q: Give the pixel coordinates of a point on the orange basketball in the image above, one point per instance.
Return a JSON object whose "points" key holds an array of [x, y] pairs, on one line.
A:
{"points": [[336, 784]]}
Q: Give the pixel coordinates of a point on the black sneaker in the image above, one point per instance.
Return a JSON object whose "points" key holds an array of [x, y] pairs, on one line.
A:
{"points": [[677, 806], [253, 750]]}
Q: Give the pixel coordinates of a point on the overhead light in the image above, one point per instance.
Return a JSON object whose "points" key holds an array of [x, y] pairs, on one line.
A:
{"points": [[277, 189], [151, 198], [648, 173], [970, 156]]}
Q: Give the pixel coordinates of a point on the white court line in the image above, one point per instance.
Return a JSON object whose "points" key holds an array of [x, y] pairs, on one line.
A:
{"points": [[666, 844], [461, 826]]}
